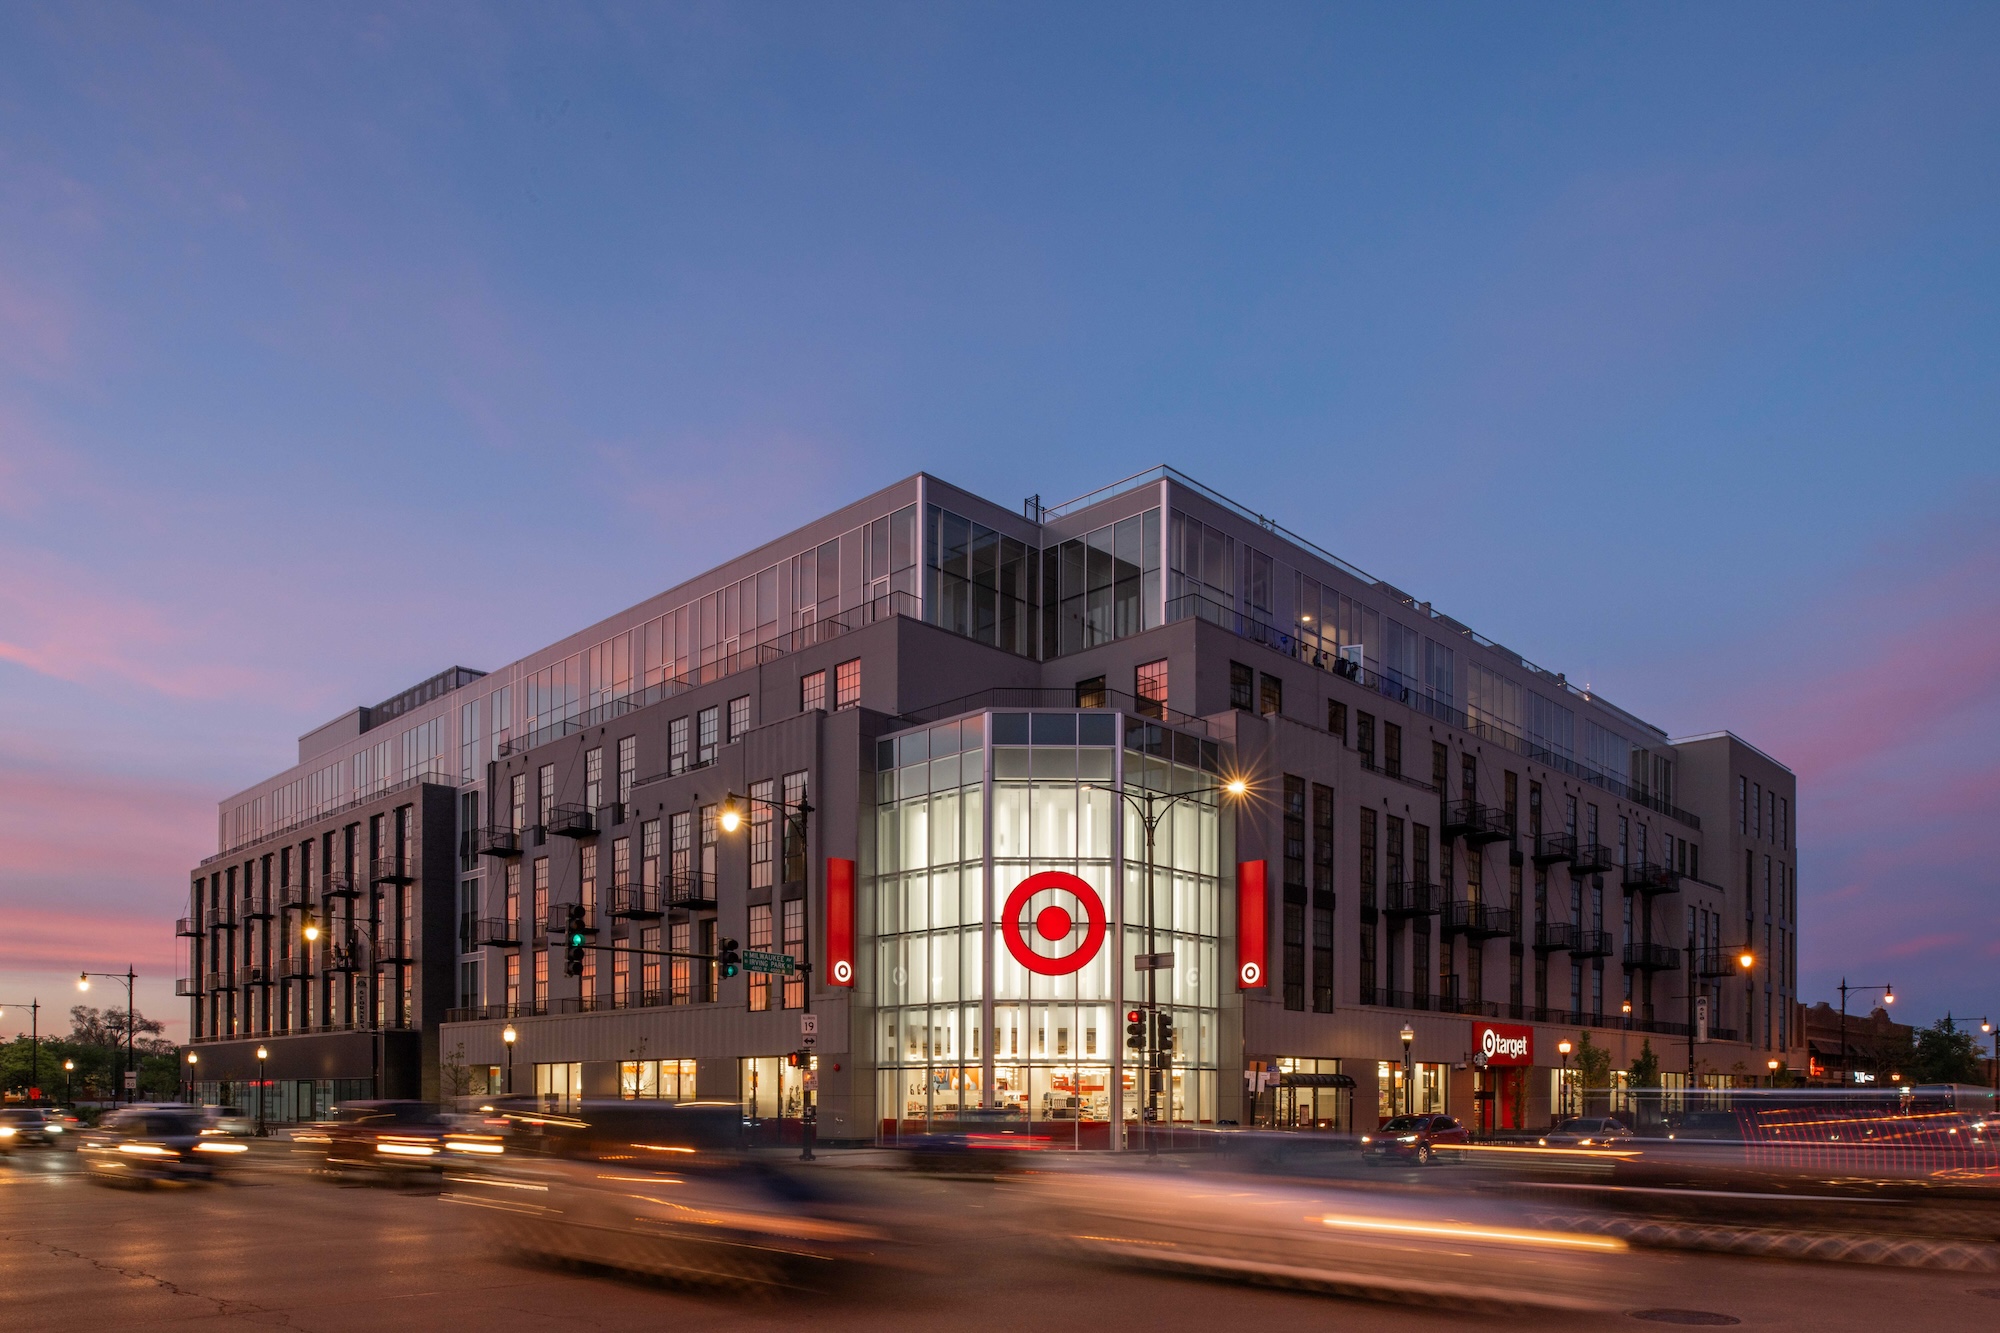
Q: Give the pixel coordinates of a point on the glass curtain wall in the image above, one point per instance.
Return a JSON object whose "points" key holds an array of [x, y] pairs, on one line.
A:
{"points": [[967, 811]]}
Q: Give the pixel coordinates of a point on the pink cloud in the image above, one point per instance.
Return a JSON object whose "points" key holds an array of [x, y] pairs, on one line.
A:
{"points": [[51, 939], [67, 828]]}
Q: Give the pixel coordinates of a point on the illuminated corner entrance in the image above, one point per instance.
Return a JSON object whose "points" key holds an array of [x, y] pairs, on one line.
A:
{"points": [[1003, 954]]}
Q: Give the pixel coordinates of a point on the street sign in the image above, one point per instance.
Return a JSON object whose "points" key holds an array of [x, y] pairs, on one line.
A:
{"points": [[131, 1078], [809, 1024], [775, 964], [812, 1080], [1153, 962], [809, 1040], [1701, 1018]]}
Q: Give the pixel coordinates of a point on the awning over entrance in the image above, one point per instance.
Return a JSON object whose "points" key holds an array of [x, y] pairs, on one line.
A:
{"points": [[1315, 1081]]}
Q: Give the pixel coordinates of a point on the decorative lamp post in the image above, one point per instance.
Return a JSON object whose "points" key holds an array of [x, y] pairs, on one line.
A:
{"points": [[1565, 1047], [131, 1018], [1888, 997], [1774, 1065], [1409, 1036], [262, 1056], [69, 1068], [509, 1036], [1986, 1026], [193, 1060], [798, 820]]}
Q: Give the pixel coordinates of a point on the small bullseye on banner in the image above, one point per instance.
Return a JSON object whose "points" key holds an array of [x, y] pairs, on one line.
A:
{"points": [[1252, 926], [839, 921]]}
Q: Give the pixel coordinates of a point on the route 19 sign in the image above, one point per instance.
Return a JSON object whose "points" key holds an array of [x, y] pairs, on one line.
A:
{"points": [[1055, 922]]}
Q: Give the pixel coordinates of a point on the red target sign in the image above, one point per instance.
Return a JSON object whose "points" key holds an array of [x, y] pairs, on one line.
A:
{"points": [[1054, 922]]}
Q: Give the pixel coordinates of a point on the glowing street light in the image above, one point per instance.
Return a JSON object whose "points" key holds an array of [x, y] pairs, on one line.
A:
{"points": [[509, 1036]]}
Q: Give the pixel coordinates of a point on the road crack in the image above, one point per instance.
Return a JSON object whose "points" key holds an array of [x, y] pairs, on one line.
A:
{"points": [[223, 1306]]}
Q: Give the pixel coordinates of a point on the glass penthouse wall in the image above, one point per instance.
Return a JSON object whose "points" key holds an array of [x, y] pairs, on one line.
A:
{"points": [[967, 810]]}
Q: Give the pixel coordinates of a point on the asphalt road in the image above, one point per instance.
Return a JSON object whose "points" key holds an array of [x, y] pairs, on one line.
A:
{"points": [[276, 1247]]}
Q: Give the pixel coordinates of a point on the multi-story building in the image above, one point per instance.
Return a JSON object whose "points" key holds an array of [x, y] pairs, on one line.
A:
{"points": [[987, 764]]}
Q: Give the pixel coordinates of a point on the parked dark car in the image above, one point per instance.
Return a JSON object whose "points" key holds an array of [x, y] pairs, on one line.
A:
{"points": [[142, 1144], [1411, 1138]]}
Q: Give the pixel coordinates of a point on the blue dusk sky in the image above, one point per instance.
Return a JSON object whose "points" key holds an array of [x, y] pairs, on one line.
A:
{"points": [[340, 344]]}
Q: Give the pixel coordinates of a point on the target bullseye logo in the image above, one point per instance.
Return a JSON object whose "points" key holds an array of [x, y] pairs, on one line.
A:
{"points": [[843, 972], [1253, 975], [1054, 922]]}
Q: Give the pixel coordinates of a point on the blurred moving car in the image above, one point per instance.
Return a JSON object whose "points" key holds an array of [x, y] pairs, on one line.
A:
{"points": [[665, 1189], [229, 1120], [142, 1144], [396, 1138], [1412, 1138], [1586, 1132], [28, 1126], [1472, 1251]]}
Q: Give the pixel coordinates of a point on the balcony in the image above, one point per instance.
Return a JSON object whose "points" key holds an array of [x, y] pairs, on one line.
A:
{"points": [[1720, 963], [395, 949], [691, 891], [223, 917], [1411, 897], [188, 986], [1555, 936], [496, 930], [348, 959], [573, 821], [1591, 944], [1454, 1004], [1477, 824], [340, 884], [634, 902], [219, 981], [1592, 858], [1553, 848], [391, 870], [188, 927], [499, 840], [299, 965], [257, 907], [253, 975], [295, 897], [1652, 957], [1649, 878], [1475, 921]]}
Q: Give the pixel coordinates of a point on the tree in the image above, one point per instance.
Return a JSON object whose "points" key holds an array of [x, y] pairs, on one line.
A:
{"points": [[1945, 1053], [455, 1076], [1593, 1063], [1645, 1070]]}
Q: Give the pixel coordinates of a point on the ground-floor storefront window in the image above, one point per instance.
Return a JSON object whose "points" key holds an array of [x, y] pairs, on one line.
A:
{"points": [[670, 1079], [1424, 1093]]}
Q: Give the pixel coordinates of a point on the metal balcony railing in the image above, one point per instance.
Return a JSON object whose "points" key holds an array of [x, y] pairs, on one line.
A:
{"points": [[188, 926], [219, 981], [256, 974], [1554, 936], [347, 958], [1649, 878], [340, 884], [499, 840], [1476, 823], [296, 966], [690, 890], [1592, 944], [1652, 957], [1552, 848], [1720, 962], [1592, 858], [1478, 921], [257, 907], [392, 870], [395, 949], [1411, 897], [497, 930], [295, 897], [573, 821], [188, 986], [635, 902]]}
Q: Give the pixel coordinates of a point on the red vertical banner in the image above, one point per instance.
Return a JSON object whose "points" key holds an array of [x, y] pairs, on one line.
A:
{"points": [[1253, 925], [839, 921]]}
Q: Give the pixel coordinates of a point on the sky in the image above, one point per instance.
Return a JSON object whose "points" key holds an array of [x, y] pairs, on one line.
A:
{"points": [[340, 345]]}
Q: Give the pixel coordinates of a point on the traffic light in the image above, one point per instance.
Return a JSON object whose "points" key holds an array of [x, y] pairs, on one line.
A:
{"points": [[1163, 1035], [1135, 1029], [799, 1059], [575, 937], [729, 960]]}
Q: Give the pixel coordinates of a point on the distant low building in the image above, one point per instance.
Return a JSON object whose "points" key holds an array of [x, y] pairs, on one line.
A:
{"points": [[1877, 1046]]}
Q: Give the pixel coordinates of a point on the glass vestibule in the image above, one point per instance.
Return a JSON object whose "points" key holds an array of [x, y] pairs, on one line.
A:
{"points": [[968, 810]]}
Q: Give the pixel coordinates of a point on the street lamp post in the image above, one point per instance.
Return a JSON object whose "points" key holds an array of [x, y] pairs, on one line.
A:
{"points": [[1151, 807], [69, 1067], [131, 1018], [799, 819], [262, 1056], [34, 1043], [1774, 1064], [1409, 1036], [508, 1036], [1888, 997], [1986, 1026], [1565, 1047], [188, 1093]]}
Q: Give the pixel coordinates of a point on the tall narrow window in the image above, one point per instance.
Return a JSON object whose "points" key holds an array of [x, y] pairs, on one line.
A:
{"points": [[513, 900], [1336, 719], [812, 691], [649, 940], [517, 802], [681, 850], [795, 945], [538, 917], [761, 794], [1149, 686], [1322, 899], [1090, 692], [1271, 695], [545, 796], [793, 837], [847, 684], [739, 718], [708, 839], [1364, 738], [708, 735], [1392, 749], [1242, 687], [628, 771], [1295, 892], [760, 938], [649, 864], [677, 746], [683, 992], [593, 777]]}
